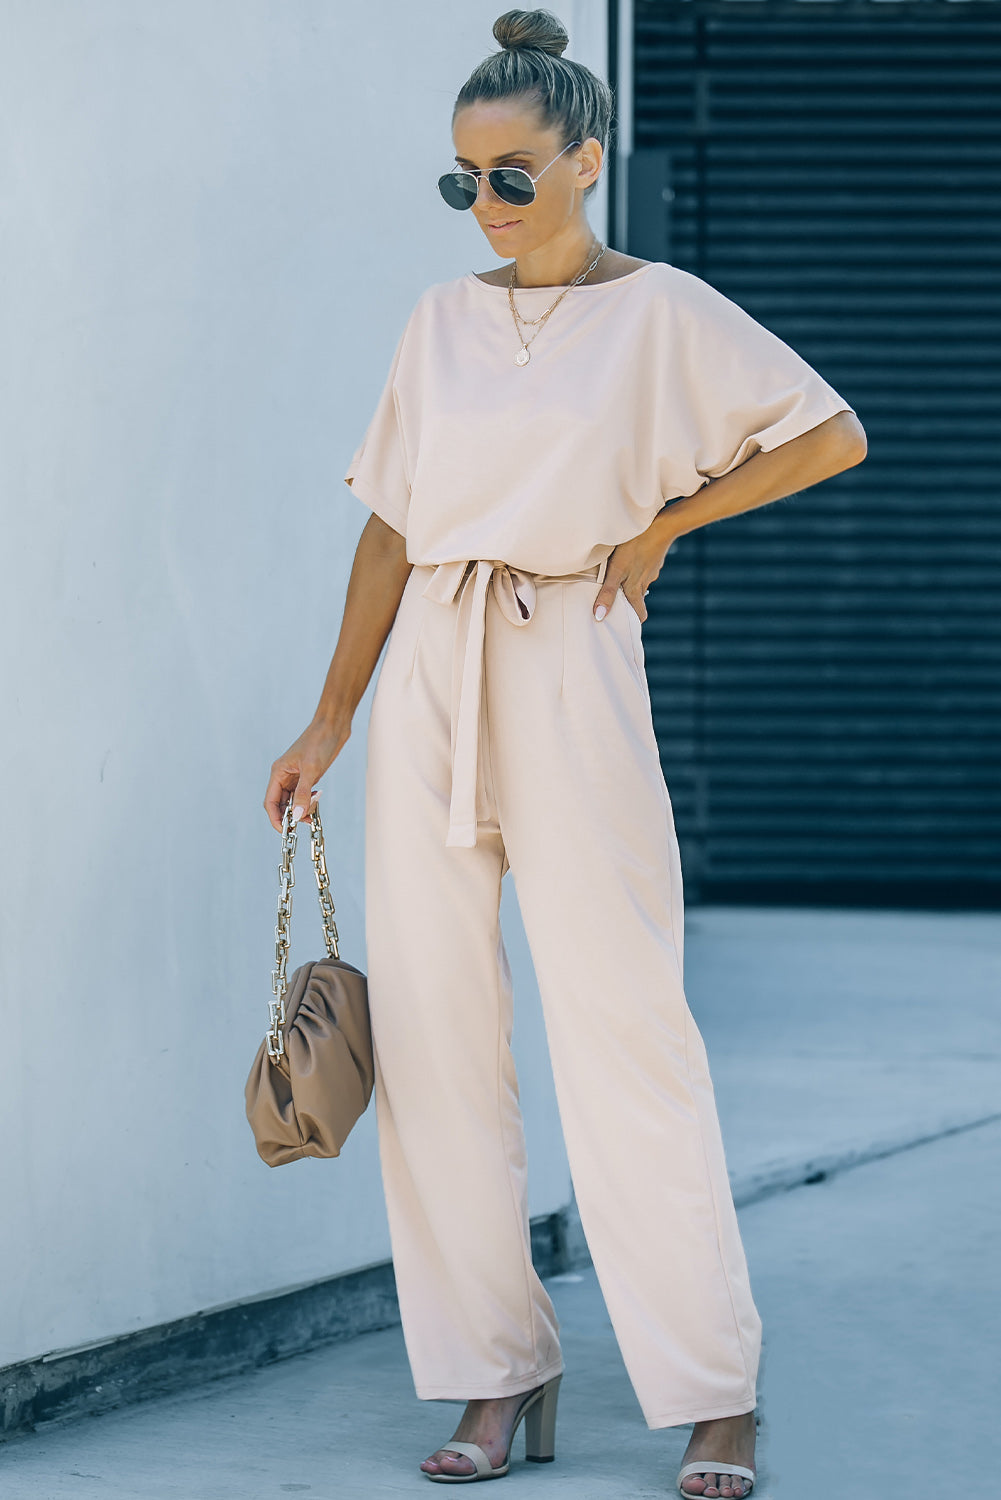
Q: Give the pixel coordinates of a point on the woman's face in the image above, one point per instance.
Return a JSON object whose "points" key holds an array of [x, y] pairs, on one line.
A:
{"points": [[509, 133]]}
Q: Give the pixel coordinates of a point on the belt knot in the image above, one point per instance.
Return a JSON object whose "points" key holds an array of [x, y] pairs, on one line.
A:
{"points": [[514, 588]]}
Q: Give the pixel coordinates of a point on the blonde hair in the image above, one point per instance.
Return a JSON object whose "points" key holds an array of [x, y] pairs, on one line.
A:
{"points": [[530, 65]]}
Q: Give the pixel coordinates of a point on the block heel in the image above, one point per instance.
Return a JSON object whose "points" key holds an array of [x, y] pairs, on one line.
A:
{"points": [[540, 1424]]}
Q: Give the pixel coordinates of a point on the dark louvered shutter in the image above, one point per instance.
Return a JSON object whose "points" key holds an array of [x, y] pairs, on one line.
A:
{"points": [[825, 670]]}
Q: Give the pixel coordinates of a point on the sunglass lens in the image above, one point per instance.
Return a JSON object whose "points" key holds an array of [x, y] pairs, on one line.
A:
{"points": [[458, 189], [512, 185]]}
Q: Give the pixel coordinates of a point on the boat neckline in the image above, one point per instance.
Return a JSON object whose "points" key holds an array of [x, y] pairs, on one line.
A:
{"points": [[594, 286]]}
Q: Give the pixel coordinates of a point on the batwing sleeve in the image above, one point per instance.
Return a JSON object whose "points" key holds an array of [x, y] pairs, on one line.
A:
{"points": [[737, 389], [379, 473]]}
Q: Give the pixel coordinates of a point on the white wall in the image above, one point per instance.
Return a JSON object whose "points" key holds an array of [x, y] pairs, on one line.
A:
{"points": [[201, 292]]}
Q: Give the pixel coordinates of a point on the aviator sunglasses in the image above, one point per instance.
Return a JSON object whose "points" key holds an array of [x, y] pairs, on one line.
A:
{"points": [[511, 184]]}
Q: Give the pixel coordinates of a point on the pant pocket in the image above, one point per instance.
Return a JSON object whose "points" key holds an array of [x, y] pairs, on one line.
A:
{"points": [[635, 633], [409, 623]]}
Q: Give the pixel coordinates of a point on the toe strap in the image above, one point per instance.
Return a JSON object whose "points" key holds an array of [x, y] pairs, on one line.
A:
{"points": [[476, 1453], [713, 1466]]}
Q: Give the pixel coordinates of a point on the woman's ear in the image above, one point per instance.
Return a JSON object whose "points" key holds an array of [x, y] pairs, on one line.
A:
{"points": [[589, 161]]}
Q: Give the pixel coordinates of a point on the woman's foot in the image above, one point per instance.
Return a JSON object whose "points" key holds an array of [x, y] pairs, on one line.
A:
{"points": [[487, 1423], [724, 1439]]}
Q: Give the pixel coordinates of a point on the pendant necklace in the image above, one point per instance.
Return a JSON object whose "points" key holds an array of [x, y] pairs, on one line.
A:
{"points": [[523, 356]]}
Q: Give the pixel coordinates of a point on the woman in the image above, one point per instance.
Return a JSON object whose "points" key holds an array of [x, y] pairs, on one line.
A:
{"points": [[534, 422]]}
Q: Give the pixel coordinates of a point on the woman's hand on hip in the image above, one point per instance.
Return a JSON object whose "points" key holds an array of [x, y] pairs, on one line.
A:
{"points": [[632, 567], [294, 775]]}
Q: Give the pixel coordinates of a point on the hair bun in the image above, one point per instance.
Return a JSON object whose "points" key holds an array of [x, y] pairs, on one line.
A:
{"points": [[540, 29]]}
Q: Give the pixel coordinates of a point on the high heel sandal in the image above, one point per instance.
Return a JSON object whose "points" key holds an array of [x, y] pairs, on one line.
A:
{"points": [[539, 1412], [707, 1466]]}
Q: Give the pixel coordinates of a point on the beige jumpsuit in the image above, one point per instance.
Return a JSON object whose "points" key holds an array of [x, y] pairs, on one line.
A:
{"points": [[509, 729]]}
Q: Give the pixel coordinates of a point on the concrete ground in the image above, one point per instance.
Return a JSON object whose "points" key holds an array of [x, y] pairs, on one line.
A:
{"points": [[864, 1043]]}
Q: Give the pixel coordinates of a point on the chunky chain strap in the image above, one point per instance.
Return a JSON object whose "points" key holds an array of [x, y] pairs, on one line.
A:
{"points": [[286, 872]]}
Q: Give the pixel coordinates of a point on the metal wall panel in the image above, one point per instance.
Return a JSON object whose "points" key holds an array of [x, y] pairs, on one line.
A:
{"points": [[825, 670]]}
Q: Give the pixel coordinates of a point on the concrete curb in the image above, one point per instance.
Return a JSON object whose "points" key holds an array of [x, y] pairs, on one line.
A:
{"points": [[783, 1176]]}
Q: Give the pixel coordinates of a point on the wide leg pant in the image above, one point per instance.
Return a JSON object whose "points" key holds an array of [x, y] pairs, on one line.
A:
{"points": [[570, 796]]}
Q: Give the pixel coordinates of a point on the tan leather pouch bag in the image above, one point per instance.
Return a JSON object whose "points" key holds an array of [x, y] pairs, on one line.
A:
{"points": [[312, 1077]]}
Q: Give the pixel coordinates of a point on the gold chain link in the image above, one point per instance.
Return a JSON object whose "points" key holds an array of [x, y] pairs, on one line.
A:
{"points": [[543, 318], [323, 884], [286, 874]]}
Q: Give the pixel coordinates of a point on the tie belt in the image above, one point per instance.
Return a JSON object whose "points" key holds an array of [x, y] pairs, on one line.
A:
{"points": [[514, 589]]}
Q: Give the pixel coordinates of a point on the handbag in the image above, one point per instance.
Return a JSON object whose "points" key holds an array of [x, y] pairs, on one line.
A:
{"points": [[312, 1077]]}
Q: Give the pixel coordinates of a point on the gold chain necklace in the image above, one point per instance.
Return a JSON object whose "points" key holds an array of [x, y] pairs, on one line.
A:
{"points": [[523, 356]]}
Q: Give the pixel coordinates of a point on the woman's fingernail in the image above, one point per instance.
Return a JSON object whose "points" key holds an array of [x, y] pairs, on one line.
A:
{"points": [[296, 814], [600, 612]]}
